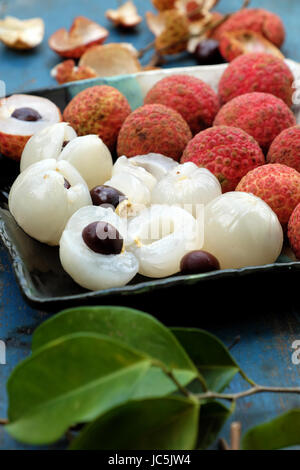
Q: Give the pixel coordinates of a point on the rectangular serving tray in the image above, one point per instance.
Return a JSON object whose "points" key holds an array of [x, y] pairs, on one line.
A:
{"points": [[37, 268]]}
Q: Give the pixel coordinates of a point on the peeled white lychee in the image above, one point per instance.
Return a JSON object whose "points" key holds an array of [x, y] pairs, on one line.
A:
{"points": [[189, 186], [125, 165], [21, 34], [162, 236], [21, 116], [44, 196], [133, 187], [91, 157], [47, 143], [156, 164], [241, 230], [91, 270]]}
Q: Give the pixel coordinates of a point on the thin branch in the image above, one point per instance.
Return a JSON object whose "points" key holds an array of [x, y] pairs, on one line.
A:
{"points": [[235, 435], [3, 421], [236, 340], [247, 393], [145, 49]]}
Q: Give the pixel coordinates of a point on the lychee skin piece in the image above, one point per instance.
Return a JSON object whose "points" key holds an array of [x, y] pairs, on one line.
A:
{"points": [[174, 37], [154, 128], [162, 5], [294, 231], [285, 148], [98, 110], [261, 115], [67, 71], [278, 185], [257, 20], [257, 72], [229, 153], [196, 101]]}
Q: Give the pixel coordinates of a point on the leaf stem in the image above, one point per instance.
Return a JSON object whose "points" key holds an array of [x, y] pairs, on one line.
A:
{"points": [[246, 393], [145, 49], [180, 387]]}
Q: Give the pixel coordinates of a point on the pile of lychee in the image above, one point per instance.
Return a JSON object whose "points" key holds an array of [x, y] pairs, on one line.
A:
{"points": [[159, 209]]}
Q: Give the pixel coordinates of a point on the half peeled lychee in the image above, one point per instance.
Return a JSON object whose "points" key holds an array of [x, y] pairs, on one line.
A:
{"points": [[236, 43], [21, 116], [83, 34]]}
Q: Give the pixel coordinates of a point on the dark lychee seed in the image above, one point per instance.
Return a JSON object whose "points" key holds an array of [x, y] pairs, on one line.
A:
{"points": [[103, 238], [107, 196], [207, 53], [197, 262], [66, 184], [26, 114]]}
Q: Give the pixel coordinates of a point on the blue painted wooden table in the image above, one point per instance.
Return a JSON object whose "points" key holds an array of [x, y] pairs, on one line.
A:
{"points": [[272, 322]]}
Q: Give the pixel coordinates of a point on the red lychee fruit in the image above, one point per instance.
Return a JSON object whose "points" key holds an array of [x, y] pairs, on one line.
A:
{"points": [[98, 110], [257, 72], [285, 148], [257, 20], [196, 101], [229, 153], [278, 185], [294, 231], [154, 128], [21, 116], [261, 115]]}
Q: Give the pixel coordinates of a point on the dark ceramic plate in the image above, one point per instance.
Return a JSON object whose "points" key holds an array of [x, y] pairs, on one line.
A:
{"points": [[45, 285]]}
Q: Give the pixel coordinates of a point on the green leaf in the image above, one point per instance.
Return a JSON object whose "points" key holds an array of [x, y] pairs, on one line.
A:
{"points": [[213, 416], [133, 328], [169, 423], [136, 329], [71, 380], [209, 354], [281, 432], [155, 383]]}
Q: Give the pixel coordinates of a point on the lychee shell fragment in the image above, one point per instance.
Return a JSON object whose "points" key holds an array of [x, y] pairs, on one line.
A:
{"points": [[83, 34], [257, 20]]}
